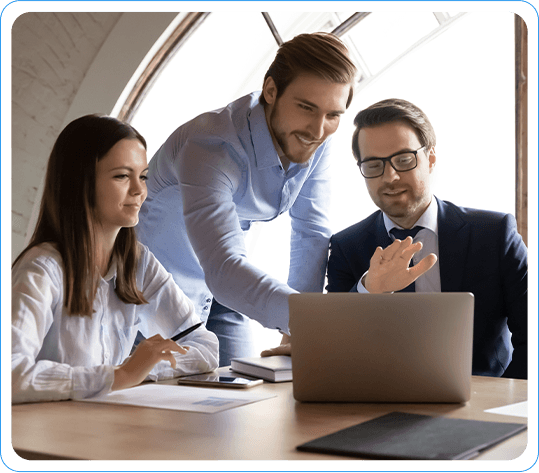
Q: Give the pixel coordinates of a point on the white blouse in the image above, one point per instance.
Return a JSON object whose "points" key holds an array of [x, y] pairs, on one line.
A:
{"points": [[58, 356]]}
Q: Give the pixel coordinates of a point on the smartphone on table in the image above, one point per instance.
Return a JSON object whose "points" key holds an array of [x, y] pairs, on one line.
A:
{"points": [[218, 381]]}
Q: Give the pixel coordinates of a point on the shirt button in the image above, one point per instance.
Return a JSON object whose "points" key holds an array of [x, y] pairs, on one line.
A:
{"points": [[205, 308], [208, 300]]}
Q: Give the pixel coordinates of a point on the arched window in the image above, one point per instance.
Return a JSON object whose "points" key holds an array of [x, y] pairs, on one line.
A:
{"points": [[458, 67]]}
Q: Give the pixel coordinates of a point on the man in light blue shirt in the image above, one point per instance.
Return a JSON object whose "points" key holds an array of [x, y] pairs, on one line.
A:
{"points": [[264, 154]]}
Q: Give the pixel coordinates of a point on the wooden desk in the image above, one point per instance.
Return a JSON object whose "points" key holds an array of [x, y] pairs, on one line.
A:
{"points": [[266, 430]]}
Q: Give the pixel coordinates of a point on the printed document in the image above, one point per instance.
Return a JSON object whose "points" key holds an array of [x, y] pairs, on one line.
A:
{"points": [[181, 398], [520, 409]]}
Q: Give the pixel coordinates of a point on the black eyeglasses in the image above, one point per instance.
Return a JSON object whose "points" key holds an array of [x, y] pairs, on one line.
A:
{"points": [[401, 162]]}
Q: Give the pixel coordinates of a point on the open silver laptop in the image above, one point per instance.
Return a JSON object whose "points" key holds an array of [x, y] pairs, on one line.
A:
{"points": [[402, 347]]}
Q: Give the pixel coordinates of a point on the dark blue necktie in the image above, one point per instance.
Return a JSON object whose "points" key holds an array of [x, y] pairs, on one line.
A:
{"points": [[401, 234]]}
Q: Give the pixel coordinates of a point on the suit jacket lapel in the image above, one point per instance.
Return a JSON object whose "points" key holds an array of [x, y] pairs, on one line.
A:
{"points": [[453, 237]]}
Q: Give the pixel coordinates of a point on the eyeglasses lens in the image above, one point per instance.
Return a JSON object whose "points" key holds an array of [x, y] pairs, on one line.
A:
{"points": [[401, 162]]}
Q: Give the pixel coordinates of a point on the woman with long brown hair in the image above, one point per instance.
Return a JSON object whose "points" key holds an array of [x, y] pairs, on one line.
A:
{"points": [[84, 286]]}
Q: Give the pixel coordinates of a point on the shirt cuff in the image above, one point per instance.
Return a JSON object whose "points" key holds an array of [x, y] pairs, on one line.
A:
{"points": [[92, 382], [360, 286]]}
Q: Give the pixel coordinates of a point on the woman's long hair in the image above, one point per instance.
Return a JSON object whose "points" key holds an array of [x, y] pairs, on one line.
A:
{"points": [[67, 214]]}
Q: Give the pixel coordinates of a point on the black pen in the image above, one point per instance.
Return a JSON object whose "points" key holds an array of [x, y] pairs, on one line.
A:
{"points": [[175, 338]]}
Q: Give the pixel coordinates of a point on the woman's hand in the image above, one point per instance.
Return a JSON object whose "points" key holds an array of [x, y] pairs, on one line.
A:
{"points": [[389, 270], [148, 353]]}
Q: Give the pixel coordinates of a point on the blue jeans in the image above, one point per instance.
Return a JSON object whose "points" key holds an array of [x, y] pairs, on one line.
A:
{"points": [[233, 331]]}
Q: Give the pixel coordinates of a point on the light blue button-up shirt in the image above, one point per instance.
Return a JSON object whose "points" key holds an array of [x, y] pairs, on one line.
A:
{"points": [[60, 356], [209, 181]]}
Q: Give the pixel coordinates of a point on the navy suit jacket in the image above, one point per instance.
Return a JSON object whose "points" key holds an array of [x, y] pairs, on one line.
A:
{"points": [[479, 252]]}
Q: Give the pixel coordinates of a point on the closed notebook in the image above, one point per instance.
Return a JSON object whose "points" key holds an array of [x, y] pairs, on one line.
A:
{"points": [[401, 436], [272, 368]]}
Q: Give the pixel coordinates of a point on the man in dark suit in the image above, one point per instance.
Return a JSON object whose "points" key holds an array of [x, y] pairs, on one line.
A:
{"points": [[478, 251]]}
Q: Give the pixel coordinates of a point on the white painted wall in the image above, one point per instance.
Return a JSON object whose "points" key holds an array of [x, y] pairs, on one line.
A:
{"points": [[65, 65]]}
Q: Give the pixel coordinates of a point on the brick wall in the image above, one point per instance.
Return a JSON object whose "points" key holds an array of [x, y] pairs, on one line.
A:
{"points": [[51, 55]]}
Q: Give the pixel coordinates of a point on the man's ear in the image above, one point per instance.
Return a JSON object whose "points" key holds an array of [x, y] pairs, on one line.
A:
{"points": [[270, 90], [432, 159]]}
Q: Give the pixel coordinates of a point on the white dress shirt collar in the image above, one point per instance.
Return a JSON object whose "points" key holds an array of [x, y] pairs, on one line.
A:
{"points": [[428, 220], [111, 273]]}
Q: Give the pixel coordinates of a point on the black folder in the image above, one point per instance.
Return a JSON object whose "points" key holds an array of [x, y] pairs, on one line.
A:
{"points": [[401, 436]]}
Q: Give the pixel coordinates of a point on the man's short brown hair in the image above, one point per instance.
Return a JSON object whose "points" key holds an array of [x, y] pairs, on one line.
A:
{"points": [[321, 54], [394, 110]]}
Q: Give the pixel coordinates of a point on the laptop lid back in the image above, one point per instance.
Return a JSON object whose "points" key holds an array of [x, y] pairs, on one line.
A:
{"points": [[402, 347]]}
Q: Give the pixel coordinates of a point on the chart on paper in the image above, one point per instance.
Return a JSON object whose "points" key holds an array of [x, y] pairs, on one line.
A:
{"points": [[180, 398]]}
